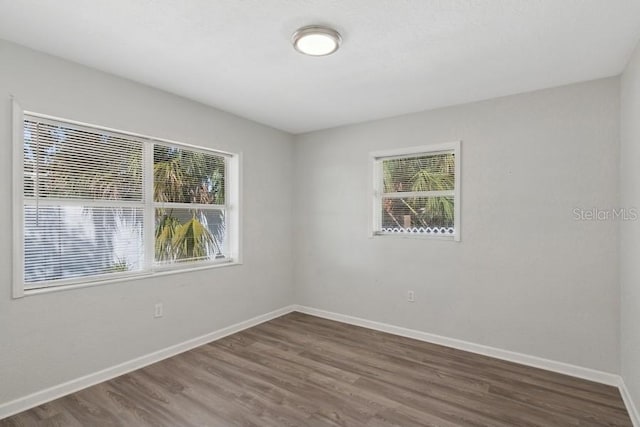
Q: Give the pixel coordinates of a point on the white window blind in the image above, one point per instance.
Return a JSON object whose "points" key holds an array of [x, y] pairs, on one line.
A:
{"points": [[100, 204], [83, 203], [416, 191]]}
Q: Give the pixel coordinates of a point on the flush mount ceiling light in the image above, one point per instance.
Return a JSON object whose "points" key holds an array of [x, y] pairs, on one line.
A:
{"points": [[316, 40]]}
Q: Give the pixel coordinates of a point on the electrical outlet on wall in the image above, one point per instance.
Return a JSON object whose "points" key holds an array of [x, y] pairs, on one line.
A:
{"points": [[411, 296], [158, 310]]}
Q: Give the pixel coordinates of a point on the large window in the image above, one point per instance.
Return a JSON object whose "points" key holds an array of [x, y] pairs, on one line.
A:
{"points": [[416, 191], [98, 205]]}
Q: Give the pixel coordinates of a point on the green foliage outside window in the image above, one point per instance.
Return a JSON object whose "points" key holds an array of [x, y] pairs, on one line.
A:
{"points": [[433, 172]]}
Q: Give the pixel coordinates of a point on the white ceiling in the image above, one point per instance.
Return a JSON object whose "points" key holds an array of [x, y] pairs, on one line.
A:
{"points": [[398, 56]]}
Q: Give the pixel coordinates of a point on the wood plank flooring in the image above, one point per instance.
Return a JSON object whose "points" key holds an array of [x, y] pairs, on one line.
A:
{"points": [[300, 370]]}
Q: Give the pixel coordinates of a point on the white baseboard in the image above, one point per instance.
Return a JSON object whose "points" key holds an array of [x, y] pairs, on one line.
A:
{"points": [[628, 402], [511, 356], [47, 395], [523, 359]]}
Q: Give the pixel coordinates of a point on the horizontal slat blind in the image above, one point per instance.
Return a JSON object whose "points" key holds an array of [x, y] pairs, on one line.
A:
{"points": [[417, 194], [83, 203], [434, 172], [66, 162], [72, 242], [182, 175], [98, 203], [189, 205]]}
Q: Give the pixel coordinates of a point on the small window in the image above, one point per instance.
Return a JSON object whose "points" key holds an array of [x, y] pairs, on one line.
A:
{"points": [[416, 192], [97, 204]]}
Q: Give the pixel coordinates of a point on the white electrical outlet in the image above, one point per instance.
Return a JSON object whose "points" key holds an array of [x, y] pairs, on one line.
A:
{"points": [[158, 310], [411, 296]]}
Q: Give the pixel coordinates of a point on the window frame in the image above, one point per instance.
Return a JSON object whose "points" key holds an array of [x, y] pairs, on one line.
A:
{"points": [[377, 187], [150, 268]]}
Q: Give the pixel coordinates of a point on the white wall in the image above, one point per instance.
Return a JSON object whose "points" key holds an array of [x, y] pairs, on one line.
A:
{"points": [[52, 338], [630, 231], [526, 276]]}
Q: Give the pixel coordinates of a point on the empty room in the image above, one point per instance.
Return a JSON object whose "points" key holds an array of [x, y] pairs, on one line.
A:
{"points": [[320, 213]]}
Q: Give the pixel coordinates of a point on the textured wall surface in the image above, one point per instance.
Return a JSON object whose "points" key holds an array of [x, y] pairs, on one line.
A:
{"points": [[630, 230], [51, 338], [526, 276]]}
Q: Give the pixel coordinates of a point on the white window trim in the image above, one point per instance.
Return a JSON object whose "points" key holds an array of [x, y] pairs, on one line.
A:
{"points": [[18, 190], [375, 189], [233, 213]]}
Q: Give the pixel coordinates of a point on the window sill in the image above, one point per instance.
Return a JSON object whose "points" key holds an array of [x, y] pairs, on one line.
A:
{"points": [[449, 238], [157, 273]]}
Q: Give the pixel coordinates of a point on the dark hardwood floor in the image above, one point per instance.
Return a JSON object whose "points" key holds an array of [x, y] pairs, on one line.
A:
{"points": [[300, 370]]}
